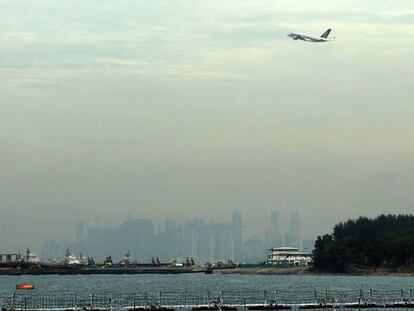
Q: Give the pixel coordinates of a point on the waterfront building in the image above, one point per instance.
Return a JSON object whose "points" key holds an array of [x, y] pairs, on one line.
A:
{"points": [[27, 257], [288, 257], [9, 257]]}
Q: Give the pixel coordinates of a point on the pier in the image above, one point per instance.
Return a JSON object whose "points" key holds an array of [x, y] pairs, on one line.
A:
{"points": [[212, 301], [74, 270]]}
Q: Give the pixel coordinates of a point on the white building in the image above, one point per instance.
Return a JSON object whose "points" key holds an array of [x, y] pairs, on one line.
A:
{"points": [[288, 256]]}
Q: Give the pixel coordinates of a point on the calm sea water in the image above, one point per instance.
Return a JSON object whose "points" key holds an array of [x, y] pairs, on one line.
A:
{"points": [[201, 282]]}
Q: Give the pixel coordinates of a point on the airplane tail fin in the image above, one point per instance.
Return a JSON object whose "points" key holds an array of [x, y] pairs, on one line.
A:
{"points": [[326, 34]]}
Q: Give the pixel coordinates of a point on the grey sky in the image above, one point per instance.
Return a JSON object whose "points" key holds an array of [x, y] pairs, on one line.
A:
{"points": [[188, 109]]}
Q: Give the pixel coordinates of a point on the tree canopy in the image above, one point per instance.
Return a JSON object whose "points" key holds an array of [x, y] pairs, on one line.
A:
{"points": [[387, 240]]}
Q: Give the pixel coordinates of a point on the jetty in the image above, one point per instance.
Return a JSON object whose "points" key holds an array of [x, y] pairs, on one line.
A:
{"points": [[74, 270], [30, 264], [398, 299]]}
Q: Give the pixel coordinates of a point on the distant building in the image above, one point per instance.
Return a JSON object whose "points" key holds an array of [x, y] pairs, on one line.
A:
{"points": [[211, 242], [170, 241], [254, 251], [52, 250], [137, 235], [237, 236], [204, 241], [79, 244], [288, 257], [292, 238], [273, 238]]}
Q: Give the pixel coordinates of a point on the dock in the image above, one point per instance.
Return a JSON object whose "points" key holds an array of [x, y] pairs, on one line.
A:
{"points": [[67, 270]]}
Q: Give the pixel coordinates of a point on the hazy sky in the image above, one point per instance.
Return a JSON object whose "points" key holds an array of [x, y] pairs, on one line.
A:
{"points": [[181, 109]]}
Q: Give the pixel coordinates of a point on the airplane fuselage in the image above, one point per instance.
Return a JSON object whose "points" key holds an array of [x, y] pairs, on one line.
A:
{"points": [[306, 37]]}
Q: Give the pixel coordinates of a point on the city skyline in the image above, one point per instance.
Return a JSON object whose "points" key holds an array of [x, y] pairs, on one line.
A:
{"points": [[198, 238]]}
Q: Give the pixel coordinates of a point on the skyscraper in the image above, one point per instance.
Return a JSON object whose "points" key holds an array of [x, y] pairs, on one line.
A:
{"points": [[170, 241], [198, 240], [294, 229], [254, 251], [273, 236], [222, 241], [79, 246], [136, 235], [237, 236], [209, 242], [52, 250]]}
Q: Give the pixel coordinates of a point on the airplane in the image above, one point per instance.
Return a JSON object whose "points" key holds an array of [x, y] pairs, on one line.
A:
{"points": [[310, 38]]}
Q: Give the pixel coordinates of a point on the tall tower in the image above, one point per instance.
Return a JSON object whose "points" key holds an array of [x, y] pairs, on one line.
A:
{"points": [[273, 236], [237, 236], [294, 230], [80, 237]]}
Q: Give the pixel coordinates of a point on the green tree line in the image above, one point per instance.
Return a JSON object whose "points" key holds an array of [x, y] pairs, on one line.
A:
{"points": [[387, 240]]}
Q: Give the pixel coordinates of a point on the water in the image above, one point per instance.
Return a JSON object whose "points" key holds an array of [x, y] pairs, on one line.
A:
{"points": [[82, 284]]}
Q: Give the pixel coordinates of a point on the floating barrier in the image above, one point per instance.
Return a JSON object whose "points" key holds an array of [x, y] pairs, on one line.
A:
{"points": [[316, 306], [211, 301], [400, 305], [270, 307], [363, 306]]}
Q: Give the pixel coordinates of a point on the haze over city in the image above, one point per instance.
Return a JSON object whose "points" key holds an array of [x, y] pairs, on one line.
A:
{"points": [[196, 109]]}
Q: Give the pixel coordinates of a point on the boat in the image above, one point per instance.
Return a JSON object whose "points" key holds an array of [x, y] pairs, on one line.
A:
{"points": [[25, 286], [29, 257], [71, 259]]}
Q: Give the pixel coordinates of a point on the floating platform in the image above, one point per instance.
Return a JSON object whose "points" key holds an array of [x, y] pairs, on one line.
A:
{"points": [[271, 307], [211, 301]]}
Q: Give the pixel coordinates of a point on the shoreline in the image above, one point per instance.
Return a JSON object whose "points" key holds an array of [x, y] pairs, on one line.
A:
{"points": [[307, 271]]}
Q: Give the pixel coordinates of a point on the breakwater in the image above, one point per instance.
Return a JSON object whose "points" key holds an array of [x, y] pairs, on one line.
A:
{"points": [[67, 270], [212, 300]]}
